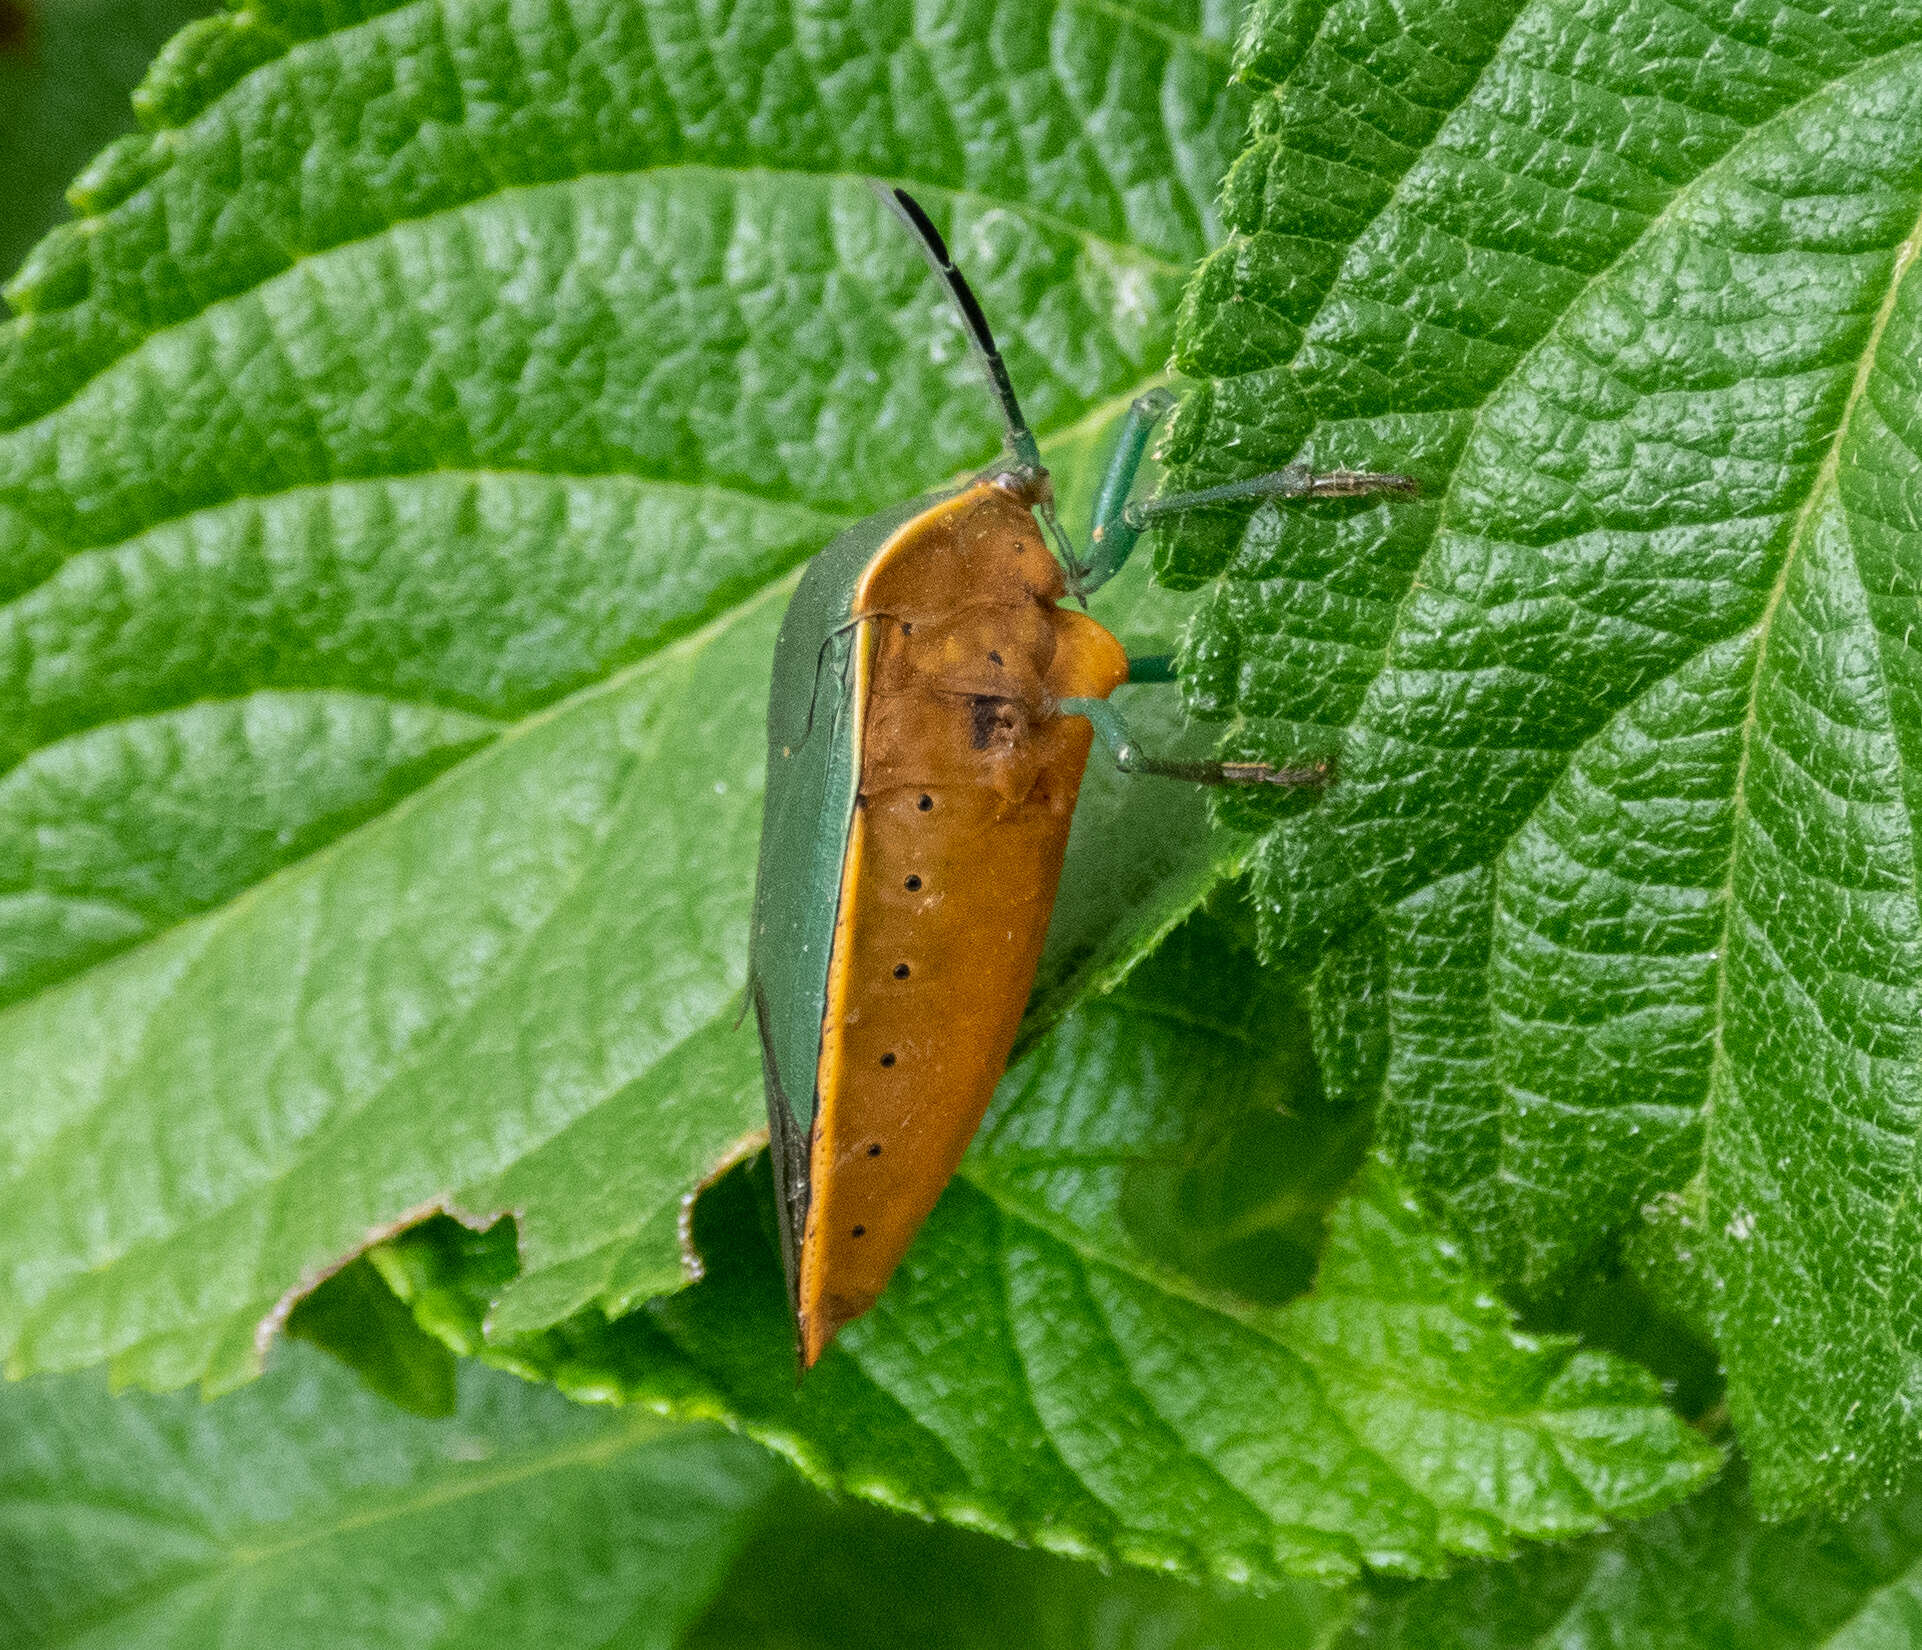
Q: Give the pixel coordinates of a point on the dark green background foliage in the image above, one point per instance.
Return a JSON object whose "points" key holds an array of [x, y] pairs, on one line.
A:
{"points": [[404, 458], [67, 68]]}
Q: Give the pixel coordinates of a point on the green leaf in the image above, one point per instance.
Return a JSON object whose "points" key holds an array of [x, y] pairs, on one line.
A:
{"points": [[358, 115], [1618, 881], [400, 474], [304, 1512], [67, 68], [1060, 1361], [405, 459], [1703, 1576]]}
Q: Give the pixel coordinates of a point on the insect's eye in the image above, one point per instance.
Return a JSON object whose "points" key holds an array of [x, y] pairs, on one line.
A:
{"points": [[913, 885], [925, 804]]}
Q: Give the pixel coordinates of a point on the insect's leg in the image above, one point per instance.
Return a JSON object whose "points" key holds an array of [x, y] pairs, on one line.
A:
{"points": [[1291, 481], [1130, 758], [1113, 538], [1118, 525]]}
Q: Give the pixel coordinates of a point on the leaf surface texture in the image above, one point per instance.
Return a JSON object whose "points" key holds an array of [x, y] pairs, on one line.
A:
{"points": [[1620, 873]]}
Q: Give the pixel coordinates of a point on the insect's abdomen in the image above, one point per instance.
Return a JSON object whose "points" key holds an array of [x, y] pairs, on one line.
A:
{"points": [[968, 783]]}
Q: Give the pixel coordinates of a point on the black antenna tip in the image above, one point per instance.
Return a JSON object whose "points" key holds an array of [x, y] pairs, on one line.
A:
{"points": [[916, 214], [1021, 442]]}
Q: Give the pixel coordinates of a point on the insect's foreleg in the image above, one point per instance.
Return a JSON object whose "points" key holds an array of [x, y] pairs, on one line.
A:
{"points": [[1118, 524], [1113, 732], [1290, 481]]}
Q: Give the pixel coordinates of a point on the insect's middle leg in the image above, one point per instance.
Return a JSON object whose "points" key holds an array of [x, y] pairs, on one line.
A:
{"points": [[1129, 757]]}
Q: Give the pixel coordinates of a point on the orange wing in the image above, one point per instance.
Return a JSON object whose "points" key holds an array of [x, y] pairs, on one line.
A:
{"points": [[968, 783]]}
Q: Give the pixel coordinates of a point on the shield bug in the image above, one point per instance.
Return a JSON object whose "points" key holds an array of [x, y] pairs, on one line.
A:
{"points": [[932, 711]]}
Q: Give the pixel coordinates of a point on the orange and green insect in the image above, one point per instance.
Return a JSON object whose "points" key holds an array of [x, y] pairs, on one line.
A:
{"points": [[932, 711]]}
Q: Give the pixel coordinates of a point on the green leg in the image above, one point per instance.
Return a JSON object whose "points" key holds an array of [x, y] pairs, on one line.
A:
{"points": [[1291, 481], [1113, 539], [1130, 758]]}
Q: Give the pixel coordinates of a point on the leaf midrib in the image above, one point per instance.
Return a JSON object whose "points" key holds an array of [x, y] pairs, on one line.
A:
{"points": [[643, 1428], [1681, 193], [1820, 492]]}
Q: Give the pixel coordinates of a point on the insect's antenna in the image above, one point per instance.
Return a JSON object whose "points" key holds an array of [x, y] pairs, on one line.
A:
{"points": [[1021, 442]]}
